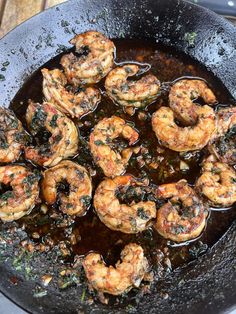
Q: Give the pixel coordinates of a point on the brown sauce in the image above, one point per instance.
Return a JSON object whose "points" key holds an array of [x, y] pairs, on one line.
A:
{"points": [[92, 235]]}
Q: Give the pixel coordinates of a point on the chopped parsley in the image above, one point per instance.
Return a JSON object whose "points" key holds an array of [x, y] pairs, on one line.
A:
{"points": [[190, 38], [141, 213], [53, 122], [98, 142], [86, 200]]}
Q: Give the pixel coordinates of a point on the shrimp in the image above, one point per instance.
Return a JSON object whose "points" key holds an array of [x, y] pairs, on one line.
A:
{"points": [[112, 162], [92, 61], [77, 200], [183, 217], [223, 144], [62, 133], [132, 218], [181, 98], [127, 273], [131, 93], [73, 104], [12, 136], [19, 201], [182, 139], [217, 183]]}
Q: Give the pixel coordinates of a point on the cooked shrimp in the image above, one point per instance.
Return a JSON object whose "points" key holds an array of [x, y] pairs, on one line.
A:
{"points": [[77, 200], [12, 136], [112, 162], [19, 201], [63, 140], [182, 139], [217, 183], [131, 93], [223, 144], [181, 98], [73, 104], [92, 61], [127, 273], [183, 217], [131, 218]]}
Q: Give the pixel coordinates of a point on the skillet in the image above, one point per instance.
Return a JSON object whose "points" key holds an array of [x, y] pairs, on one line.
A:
{"points": [[206, 285]]}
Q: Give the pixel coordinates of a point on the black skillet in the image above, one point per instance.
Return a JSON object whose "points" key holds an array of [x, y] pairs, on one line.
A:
{"points": [[207, 285]]}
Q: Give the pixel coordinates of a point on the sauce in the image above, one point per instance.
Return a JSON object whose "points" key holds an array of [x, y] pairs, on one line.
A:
{"points": [[90, 233]]}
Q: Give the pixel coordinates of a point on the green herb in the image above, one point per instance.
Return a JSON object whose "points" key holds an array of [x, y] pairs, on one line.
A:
{"points": [[38, 119], [233, 180], [142, 214], [53, 122], [178, 229], [14, 123], [6, 195], [86, 200], [30, 179], [68, 281], [83, 295], [231, 132], [40, 293], [69, 205], [98, 142], [79, 173], [190, 38], [4, 144], [124, 88]]}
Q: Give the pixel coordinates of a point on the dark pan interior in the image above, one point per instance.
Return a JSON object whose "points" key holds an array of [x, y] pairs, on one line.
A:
{"points": [[207, 285]]}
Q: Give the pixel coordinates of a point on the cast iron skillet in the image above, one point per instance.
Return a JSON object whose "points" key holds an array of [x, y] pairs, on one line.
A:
{"points": [[207, 285]]}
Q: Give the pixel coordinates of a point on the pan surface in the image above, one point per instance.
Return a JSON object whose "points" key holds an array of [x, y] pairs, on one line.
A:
{"points": [[207, 285]]}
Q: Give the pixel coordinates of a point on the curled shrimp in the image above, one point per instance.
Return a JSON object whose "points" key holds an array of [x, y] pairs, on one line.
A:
{"points": [[19, 201], [223, 144], [181, 98], [62, 133], [92, 60], [183, 217], [217, 183], [73, 104], [127, 273], [112, 162], [182, 139], [131, 218], [131, 93], [12, 136], [77, 200]]}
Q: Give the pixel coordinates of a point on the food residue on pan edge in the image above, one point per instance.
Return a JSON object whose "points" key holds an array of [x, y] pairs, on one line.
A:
{"points": [[47, 235]]}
